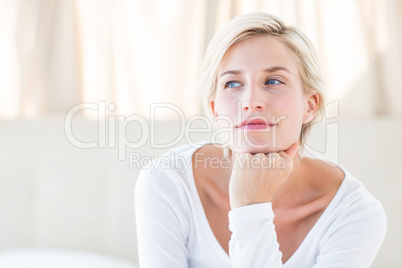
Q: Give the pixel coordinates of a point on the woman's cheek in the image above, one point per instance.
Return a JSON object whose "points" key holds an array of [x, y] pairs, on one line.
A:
{"points": [[287, 131]]}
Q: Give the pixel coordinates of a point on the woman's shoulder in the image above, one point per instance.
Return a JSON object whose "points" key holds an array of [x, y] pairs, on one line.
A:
{"points": [[348, 191], [352, 203], [171, 168], [175, 160], [351, 193], [354, 190], [354, 220]]}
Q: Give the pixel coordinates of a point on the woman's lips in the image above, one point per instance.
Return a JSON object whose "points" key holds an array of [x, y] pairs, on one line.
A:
{"points": [[255, 124]]}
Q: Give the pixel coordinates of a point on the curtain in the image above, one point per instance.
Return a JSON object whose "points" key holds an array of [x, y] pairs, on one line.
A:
{"points": [[129, 54]]}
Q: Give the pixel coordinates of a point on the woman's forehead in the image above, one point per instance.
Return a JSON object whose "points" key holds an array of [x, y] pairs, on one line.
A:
{"points": [[258, 53]]}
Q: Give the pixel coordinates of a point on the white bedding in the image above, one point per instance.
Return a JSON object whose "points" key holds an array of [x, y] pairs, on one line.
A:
{"points": [[59, 258]]}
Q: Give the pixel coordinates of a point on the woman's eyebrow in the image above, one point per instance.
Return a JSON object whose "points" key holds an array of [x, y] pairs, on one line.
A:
{"points": [[268, 70], [277, 68], [235, 72]]}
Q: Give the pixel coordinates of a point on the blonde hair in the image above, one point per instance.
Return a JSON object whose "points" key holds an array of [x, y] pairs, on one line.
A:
{"points": [[262, 24]]}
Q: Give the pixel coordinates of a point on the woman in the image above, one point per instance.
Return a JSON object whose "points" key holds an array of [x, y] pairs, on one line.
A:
{"points": [[259, 204]]}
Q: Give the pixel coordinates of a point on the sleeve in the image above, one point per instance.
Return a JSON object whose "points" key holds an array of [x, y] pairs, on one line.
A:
{"points": [[161, 222], [253, 236], [354, 238]]}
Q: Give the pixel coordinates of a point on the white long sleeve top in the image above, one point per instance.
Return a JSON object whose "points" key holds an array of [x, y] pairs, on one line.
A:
{"points": [[173, 231]]}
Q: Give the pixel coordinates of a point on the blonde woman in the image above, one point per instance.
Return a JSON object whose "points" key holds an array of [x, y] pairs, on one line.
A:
{"points": [[257, 203]]}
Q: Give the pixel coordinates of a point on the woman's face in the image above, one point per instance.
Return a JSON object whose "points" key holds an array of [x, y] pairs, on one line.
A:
{"points": [[260, 105]]}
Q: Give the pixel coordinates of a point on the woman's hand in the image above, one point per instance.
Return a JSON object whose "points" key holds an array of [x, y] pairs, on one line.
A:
{"points": [[256, 178]]}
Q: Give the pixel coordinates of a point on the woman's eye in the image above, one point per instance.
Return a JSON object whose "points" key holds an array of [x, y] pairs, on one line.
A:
{"points": [[273, 82], [232, 84]]}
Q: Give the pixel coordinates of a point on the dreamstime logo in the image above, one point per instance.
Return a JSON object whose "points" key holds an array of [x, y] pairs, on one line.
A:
{"points": [[112, 131]]}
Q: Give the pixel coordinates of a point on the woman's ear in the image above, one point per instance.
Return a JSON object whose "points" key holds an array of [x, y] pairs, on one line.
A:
{"points": [[312, 107]]}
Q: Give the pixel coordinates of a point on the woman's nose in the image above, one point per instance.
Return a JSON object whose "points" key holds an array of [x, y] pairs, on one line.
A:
{"points": [[253, 100]]}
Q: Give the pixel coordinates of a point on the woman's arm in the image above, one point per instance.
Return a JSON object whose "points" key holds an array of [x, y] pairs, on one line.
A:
{"points": [[254, 242], [254, 181], [161, 221]]}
